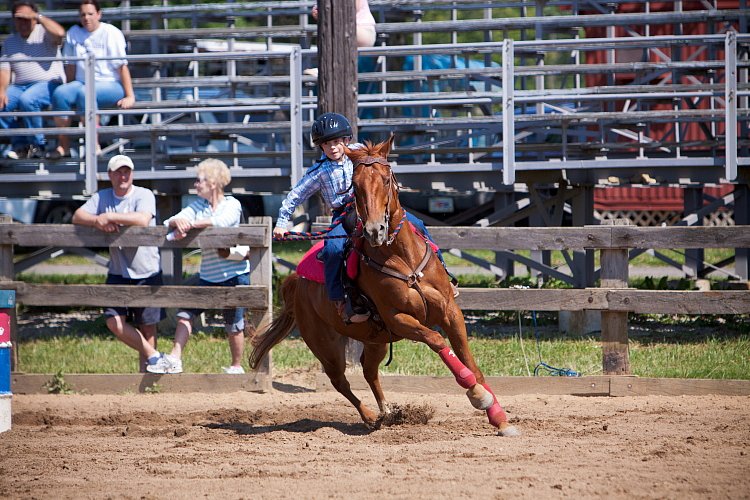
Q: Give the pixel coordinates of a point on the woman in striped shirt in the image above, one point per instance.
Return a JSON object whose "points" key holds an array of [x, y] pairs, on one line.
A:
{"points": [[212, 209]]}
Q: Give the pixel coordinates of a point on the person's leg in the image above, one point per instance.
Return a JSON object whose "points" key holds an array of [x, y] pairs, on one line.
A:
{"points": [[107, 95], [35, 98], [13, 93], [147, 319], [234, 325], [149, 335], [65, 98], [333, 259], [129, 335], [181, 336]]}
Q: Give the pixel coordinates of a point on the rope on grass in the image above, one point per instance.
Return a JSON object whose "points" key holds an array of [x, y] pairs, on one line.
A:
{"points": [[543, 367]]}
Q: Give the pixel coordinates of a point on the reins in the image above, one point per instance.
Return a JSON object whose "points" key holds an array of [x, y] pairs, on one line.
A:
{"points": [[319, 235]]}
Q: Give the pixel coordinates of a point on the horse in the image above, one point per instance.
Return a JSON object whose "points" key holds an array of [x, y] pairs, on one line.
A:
{"points": [[408, 286]]}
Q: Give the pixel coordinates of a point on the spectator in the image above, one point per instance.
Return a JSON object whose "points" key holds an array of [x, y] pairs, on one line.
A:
{"points": [[33, 82], [127, 205], [366, 34], [113, 83], [213, 209]]}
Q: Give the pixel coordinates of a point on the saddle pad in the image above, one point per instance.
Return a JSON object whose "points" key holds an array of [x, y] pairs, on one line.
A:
{"points": [[429, 242], [312, 269]]}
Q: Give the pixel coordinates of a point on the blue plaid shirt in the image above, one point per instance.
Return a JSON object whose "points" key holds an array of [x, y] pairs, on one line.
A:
{"points": [[333, 180]]}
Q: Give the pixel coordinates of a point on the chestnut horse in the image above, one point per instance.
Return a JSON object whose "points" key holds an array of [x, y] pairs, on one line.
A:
{"points": [[408, 286]]}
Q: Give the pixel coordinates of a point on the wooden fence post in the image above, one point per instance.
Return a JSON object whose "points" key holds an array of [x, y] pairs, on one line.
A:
{"points": [[614, 274], [261, 273]]}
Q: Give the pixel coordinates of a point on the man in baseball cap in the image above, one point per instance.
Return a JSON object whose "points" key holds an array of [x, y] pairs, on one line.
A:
{"points": [[118, 161], [109, 209]]}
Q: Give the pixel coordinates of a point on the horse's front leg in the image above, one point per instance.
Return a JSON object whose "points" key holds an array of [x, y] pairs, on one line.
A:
{"points": [[478, 392], [461, 358], [372, 356]]}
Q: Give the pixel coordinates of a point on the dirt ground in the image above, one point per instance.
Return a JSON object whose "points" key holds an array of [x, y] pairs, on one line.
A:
{"points": [[296, 443]]}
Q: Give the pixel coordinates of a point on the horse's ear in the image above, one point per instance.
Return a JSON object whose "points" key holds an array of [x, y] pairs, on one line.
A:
{"points": [[388, 146]]}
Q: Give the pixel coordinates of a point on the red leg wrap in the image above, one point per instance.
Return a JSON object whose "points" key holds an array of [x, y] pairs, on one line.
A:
{"points": [[464, 376], [495, 413]]}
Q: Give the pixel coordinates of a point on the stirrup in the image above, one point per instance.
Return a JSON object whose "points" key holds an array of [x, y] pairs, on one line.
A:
{"points": [[349, 314]]}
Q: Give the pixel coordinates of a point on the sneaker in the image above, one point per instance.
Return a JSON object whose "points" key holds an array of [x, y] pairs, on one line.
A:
{"points": [[454, 286], [11, 154], [166, 365], [234, 370]]}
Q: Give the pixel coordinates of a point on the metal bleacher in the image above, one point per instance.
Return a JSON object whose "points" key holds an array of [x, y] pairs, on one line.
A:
{"points": [[602, 93]]}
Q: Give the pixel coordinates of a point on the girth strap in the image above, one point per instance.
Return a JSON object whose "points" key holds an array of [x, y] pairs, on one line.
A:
{"points": [[412, 279]]}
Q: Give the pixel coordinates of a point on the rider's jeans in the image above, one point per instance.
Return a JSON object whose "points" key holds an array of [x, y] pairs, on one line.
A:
{"points": [[333, 256], [333, 259]]}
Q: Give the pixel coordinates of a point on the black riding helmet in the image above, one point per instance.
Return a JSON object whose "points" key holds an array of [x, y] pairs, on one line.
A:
{"points": [[330, 126]]}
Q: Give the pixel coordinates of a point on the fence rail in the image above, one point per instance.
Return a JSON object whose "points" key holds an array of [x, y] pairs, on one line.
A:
{"points": [[255, 297]]}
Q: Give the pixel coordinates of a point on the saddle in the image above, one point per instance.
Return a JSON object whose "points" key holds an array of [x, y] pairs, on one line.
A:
{"points": [[311, 265]]}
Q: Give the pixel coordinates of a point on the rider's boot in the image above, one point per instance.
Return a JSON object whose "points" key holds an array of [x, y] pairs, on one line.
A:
{"points": [[349, 314]]}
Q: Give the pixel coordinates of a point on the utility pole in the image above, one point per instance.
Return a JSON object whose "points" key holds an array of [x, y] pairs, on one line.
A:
{"points": [[337, 59]]}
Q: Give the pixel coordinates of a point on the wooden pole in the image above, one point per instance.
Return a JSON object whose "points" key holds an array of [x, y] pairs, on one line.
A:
{"points": [[337, 59], [615, 354]]}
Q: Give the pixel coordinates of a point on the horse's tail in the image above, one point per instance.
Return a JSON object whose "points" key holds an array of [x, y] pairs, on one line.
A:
{"points": [[280, 327]]}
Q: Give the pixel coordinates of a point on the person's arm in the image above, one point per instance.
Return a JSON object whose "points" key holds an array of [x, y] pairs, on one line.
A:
{"points": [[4, 82], [305, 188], [127, 85], [110, 222], [56, 31], [70, 72]]}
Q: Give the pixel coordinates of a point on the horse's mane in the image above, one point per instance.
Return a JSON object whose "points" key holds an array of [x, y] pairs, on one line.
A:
{"points": [[379, 150]]}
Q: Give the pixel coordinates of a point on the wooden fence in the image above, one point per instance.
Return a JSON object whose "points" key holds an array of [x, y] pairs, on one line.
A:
{"points": [[612, 298], [255, 297]]}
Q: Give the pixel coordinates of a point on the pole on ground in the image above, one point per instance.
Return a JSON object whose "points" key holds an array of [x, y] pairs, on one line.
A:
{"points": [[7, 304]]}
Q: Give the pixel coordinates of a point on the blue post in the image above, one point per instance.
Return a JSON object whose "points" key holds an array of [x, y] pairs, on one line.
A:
{"points": [[7, 304]]}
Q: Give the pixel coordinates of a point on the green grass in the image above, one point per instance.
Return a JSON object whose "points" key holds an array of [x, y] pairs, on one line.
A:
{"points": [[683, 351]]}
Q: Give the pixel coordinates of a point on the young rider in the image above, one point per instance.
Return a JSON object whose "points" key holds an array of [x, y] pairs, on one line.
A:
{"points": [[331, 175]]}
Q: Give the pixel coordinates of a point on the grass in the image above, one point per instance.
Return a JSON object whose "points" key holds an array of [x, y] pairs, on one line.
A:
{"points": [[704, 349]]}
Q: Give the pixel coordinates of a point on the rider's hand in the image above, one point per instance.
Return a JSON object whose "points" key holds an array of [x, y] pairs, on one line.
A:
{"points": [[279, 232]]}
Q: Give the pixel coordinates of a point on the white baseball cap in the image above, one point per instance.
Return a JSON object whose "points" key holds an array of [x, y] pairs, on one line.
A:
{"points": [[118, 161]]}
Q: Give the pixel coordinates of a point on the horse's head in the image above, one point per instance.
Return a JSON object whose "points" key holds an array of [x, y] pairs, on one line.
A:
{"points": [[375, 189]]}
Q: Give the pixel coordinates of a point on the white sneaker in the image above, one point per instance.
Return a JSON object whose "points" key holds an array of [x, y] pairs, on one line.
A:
{"points": [[234, 370], [167, 365]]}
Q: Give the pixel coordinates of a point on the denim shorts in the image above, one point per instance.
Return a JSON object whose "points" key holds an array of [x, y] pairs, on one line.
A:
{"points": [[137, 315], [234, 317]]}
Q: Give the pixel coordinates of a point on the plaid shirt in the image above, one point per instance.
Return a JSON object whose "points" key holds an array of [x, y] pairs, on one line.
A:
{"points": [[333, 180]]}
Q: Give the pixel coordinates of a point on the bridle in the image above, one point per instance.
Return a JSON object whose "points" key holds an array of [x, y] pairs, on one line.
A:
{"points": [[391, 185]]}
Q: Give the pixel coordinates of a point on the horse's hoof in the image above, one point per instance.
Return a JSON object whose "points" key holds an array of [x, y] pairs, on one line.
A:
{"points": [[508, 431], [480, 398]]}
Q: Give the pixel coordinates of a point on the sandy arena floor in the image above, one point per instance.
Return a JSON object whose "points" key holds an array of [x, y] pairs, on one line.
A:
{"points": [[295, 443]]}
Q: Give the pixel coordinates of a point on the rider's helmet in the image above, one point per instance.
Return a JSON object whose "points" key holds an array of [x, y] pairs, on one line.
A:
{"points": [[330, 126]]}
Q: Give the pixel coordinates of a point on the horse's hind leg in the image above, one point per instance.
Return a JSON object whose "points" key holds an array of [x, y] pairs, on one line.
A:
{"points": [[372, 355], [330, 348]]}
